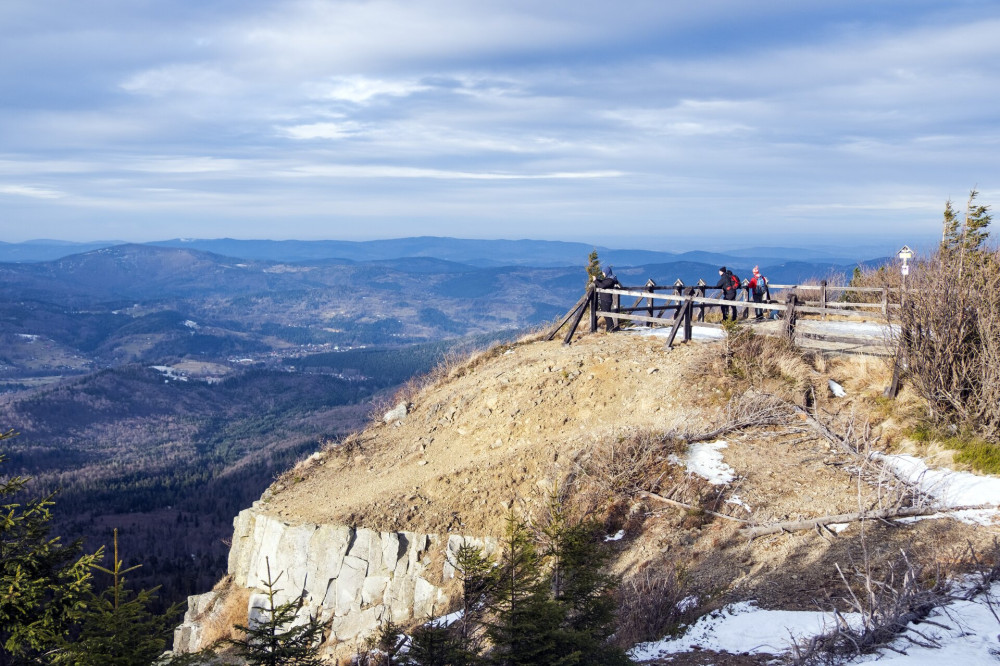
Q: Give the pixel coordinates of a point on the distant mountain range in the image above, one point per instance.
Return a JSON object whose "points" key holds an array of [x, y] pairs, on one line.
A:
{"points": [[477, 253]]}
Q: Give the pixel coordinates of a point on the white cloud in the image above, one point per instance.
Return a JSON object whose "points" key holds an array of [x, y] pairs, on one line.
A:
{"points": [[367, 171], [361, 89], [31, 191], [197, 79], [321, 130]]}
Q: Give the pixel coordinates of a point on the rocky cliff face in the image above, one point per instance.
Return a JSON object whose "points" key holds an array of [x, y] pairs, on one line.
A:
{"points": [[350, 578]]}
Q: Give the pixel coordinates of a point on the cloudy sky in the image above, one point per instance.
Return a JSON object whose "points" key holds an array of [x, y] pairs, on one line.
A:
{"points": [[627, 123]]}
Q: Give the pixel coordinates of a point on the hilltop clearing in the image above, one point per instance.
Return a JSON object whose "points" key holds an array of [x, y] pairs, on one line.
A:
{"points": [[618, 423]]}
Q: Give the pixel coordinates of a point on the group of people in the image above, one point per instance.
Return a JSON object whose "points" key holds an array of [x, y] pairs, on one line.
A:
{"points": [[730, 284]]}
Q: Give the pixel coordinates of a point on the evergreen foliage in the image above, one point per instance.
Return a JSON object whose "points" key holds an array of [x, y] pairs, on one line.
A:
{"points": [[118, 628], [279, 637], [963, 238], [436, 645], [44, 582], [593, 266]]}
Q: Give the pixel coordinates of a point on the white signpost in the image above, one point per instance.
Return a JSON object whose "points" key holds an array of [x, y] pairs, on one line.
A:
{"points": [[904, 255]]}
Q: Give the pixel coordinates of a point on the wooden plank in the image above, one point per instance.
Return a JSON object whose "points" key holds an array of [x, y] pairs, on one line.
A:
{"points": [[677, 324], [576, 320], [572, 311]]}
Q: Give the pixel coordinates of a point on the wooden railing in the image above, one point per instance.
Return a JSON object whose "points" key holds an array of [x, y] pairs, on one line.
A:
{"points": [[686, 304]]}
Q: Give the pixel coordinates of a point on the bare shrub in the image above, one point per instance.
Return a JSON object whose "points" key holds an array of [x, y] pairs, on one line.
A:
{"points": [[949, 338], [747, 410], [621, 463], [885, 606], [651, 605]]}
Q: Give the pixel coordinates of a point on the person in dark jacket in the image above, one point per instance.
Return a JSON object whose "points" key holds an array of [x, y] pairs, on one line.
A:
{"points": [[606, 281], [727, 283]]}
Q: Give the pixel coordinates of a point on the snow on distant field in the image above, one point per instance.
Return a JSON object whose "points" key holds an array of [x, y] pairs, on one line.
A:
{"points": [[968, 635]]}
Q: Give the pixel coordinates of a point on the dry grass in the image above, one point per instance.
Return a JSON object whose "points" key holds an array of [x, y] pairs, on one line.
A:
{"points": [[762, 361], [218, 623]]}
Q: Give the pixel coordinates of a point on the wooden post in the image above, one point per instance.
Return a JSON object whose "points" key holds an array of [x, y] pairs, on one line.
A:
{"points": [[579, 316], [885, 302], [745, 288], [616, 306], [649, 301], [790, 317], [582, 303], [686, 306], [688, 312], [822, 296], [701, 306], [678, 291], [593, 309]]}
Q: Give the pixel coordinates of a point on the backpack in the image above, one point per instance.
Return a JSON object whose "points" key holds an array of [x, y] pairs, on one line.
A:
{"points": [[735, 280], [760, 287]]}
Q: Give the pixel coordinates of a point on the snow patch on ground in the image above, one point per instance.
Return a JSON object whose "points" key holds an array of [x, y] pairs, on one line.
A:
{"points": [[949, 488], [697, 332], [969, 635], [704, 459], [738, 628]]}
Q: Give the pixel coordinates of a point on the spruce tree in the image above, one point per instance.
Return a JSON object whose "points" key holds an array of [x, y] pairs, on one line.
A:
{"points": [[580, 585], [525, 623], [593, 266], [117, 628], [963, 239], [478, 575], [44, 582], [279, 639]]}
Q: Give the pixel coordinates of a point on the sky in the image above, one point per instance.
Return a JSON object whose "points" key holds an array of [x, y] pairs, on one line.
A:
{"points": [[652, 124]]}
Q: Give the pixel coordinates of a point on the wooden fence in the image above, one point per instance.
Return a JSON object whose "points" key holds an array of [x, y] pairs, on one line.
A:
{"points": [[686, 304]]}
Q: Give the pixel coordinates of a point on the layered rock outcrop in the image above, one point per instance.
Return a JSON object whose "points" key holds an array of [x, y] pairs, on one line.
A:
{"points": [[350, 578]]}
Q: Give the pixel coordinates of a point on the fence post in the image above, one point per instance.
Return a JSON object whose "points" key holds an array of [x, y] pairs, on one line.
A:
{"points": [[746, 298], [688, 313], [649, 301], [822, 296], [789, 331], [701, 306], [593, 309], [885, 302], [616, 306], [678, 291]]}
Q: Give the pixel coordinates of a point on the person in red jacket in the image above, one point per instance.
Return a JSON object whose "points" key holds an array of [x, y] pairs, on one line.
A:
{"points": [[759, 291]]}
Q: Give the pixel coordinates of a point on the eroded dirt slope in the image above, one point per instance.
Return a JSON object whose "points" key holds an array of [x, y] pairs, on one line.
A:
{"points": [[498, 431]]}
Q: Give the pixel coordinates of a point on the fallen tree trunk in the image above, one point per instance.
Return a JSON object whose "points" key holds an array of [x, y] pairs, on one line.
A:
{"points": [[822, 521]]}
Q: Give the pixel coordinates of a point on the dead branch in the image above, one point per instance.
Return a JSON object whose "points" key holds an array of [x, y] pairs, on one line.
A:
{"points": [[815, 523], [748, 410], [690, 507]]}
